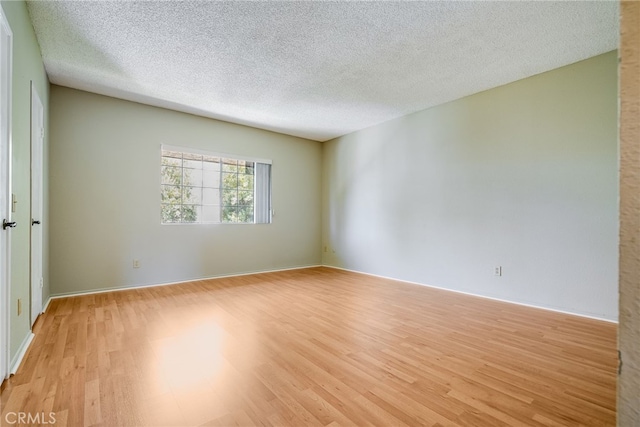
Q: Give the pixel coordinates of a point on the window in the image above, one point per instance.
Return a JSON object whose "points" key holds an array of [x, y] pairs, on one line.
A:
{"points": [[208, 188]]}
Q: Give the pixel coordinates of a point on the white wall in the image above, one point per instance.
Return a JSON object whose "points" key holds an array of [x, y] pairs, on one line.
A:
{"points": [[523, 176], [105, 197]]}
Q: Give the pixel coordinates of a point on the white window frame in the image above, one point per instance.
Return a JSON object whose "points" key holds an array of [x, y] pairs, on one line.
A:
{"points": [[264, 218]]}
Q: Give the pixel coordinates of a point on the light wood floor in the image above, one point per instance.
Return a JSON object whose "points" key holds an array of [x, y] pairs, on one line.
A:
{"points": [[312, 347]]}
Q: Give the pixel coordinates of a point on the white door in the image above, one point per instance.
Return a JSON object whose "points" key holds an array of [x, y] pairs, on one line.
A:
{"points": [[37, 143], [5, 188]]}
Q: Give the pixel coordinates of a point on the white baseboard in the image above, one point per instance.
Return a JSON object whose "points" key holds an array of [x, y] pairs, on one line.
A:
{"points": [[125, 288], [128, 288], [477, 295], [17, 360], [46, 305]]}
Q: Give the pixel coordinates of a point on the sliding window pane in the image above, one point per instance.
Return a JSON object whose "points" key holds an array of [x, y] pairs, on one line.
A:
{"points": [[171, 194], [245, 198], [170, 213], [229, 214], [211, 178], [245, 182], [229, 180], [210, 196], [192, 195], [211, 213], [192, 177], [171, 175], [229, 196], [191, 213], [245, 214]]}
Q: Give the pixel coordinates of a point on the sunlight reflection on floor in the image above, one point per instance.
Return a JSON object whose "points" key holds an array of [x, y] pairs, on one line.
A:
{"points": [[194, 356]]}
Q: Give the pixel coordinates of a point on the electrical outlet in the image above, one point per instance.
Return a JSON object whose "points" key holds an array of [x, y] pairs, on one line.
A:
{"points": [[19, 306], [497, 271], [136, 263]]}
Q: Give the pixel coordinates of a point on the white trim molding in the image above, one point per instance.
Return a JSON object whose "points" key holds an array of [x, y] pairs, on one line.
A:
{"points": [[477, 295], [17, 360], [128, 288], [6, 79], [46, 305]]}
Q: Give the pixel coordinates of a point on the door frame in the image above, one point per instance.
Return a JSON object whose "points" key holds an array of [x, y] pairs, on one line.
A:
{"points": [[6, 69], [37, 200]]}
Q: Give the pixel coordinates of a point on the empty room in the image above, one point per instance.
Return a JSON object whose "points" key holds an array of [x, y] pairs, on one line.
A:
{"points": [[221, 213]]}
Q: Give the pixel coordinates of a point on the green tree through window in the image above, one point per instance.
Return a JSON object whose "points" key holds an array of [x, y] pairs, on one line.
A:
{"points": [[173, 191], [237, 191]]}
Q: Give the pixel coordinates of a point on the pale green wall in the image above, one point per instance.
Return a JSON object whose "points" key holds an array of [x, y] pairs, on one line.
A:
{"points": [[27, 66], [105, 197], [523, 176]]}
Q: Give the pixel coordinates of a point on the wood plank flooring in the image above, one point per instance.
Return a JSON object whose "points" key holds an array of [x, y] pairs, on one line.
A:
{"points": [[317, 347]]}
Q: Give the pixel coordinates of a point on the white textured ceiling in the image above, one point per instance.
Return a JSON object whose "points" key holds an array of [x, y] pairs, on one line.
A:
{"points": [[312, 69]]}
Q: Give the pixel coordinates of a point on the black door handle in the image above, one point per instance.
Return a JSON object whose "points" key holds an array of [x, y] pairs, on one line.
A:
{"points": [[34, 222], [6, 224]]}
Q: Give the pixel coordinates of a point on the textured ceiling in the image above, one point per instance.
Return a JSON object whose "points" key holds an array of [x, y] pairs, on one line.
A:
{"points": [[311, 69]]}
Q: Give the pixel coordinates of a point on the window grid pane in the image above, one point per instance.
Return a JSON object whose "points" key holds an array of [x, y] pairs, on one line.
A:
{"points": [[197, 188]]}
